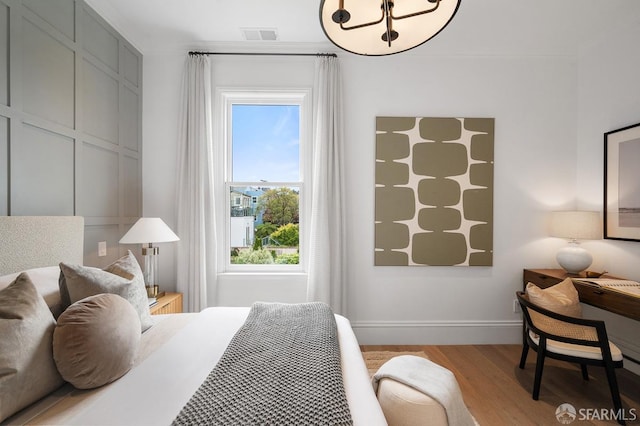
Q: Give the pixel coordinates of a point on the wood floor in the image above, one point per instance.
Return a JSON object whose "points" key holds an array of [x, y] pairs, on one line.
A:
{"points": [[497, 392]]}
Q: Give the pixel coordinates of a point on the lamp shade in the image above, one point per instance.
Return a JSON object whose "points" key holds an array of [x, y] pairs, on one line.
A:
{"points": [[576, 225], [149, 230], [365, 26]]}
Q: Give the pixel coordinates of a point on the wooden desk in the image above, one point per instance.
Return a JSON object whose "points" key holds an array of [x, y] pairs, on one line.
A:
{"points": [[609, 300]]}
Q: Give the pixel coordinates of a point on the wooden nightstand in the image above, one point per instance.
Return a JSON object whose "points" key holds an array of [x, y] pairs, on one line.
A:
{"points": [[170, 303]]}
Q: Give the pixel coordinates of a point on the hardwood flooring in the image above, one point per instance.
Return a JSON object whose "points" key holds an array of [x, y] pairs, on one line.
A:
{"points": [[497, 392]]}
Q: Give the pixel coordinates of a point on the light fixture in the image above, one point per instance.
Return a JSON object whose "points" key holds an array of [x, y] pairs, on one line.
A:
{"points": [[575, 225], [384, 27], [148, 231]]}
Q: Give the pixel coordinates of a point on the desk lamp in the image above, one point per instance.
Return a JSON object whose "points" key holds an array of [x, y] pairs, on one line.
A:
{"points": [[575, 225], [148, 231]]}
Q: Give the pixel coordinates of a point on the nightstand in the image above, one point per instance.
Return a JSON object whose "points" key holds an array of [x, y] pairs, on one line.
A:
{"points": [[170, 303]]}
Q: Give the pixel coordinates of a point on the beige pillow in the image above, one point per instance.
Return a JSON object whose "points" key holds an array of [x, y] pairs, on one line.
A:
{"points": [[46, 281], [27, 369], [96, 340], [561, 298], [123, 277]]}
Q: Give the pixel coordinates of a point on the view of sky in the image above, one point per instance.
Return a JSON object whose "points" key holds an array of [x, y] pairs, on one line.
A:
{"points": [[266, 143]]}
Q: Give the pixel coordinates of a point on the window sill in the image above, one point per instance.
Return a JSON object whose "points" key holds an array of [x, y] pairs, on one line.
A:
{"points": [[262, 273]]}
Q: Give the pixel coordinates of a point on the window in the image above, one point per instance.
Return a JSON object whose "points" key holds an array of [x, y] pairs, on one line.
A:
{"points": [[265, 138]]}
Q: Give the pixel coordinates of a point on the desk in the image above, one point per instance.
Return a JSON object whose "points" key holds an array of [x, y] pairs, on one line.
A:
{"points": [[609, 300]]}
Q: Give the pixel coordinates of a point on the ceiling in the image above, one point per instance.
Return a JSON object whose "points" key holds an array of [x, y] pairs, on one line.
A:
{"points": [[482, 27]]}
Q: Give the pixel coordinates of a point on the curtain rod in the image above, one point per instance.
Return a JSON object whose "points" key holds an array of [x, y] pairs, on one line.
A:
{"points": [[263, 54]]}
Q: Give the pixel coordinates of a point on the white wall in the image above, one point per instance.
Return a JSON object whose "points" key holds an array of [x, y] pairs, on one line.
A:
{"points": [[609, 99], [160, 109], [533, 100]]}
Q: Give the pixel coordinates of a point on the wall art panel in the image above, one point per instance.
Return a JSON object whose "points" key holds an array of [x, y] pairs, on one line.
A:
{"points": [[434, 191]]}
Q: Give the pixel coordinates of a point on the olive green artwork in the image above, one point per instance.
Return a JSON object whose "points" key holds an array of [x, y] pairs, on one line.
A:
{"points": [[434, 191]]}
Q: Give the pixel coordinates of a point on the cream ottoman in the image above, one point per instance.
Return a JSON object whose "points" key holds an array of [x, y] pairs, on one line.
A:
{"points": [[414, 391], [404, 406]]}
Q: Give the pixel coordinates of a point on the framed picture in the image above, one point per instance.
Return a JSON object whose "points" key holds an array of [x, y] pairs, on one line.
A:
{"points": [[622, 184]]}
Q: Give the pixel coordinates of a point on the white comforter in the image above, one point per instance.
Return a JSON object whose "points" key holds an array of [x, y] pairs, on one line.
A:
{"points": [[155, 390]]}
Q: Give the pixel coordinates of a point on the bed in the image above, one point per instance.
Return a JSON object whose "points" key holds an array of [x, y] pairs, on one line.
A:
{"points": [[175, 355]]}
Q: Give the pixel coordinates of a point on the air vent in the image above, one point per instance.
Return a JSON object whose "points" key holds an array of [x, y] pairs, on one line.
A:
{"points": [[258, 34]]}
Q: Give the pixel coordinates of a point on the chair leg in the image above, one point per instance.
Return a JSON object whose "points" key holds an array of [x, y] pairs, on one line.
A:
{"points": [[525, 351], [585, 372], [538, 374], [615, 393]]}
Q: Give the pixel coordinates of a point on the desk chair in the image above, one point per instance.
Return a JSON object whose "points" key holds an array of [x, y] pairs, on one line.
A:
{"points": [[571, 339]]}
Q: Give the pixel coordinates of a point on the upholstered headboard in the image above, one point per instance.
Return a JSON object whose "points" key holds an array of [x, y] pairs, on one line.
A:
{"points": [[36, 241]]}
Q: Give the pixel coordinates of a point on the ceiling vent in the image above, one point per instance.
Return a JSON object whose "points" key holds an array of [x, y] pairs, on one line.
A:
{"points": [[259, 34]]}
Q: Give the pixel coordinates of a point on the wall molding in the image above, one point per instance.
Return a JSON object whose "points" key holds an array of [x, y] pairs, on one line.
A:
{"points": [[70, 120]]}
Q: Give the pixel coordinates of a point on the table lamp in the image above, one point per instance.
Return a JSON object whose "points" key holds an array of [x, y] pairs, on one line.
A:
{"points": [[575, 225], [148, 231]]}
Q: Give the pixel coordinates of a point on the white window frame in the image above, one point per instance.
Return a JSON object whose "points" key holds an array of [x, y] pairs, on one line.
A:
{"points": [[224, 99]]}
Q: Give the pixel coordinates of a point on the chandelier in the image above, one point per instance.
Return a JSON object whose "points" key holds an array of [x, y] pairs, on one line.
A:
{"points": [[384, 27]]}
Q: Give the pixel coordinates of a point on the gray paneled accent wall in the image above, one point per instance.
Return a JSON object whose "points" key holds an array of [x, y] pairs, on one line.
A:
{"points": [[70, 111]]}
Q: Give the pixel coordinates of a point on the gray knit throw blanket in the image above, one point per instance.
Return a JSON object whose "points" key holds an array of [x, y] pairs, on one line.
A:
{"points": [[281, 368]]}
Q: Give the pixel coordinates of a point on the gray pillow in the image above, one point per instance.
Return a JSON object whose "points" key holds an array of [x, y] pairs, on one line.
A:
{"points": [[123, 277], [27, 369], [96, 340]]}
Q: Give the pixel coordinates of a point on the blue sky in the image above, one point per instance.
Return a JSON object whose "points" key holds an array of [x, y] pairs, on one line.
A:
{"points": [[266, 143]]}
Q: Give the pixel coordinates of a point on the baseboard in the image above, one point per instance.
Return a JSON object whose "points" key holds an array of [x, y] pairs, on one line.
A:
{"points": [[437, 332], [463, 333]]}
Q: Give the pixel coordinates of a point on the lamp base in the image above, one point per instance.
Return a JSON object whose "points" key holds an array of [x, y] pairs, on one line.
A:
{"points": [[573, 258], [152, 290]]}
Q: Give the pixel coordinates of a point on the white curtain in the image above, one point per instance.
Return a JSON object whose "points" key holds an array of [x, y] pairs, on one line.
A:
{"points": [[196, 257], [327, 274]]}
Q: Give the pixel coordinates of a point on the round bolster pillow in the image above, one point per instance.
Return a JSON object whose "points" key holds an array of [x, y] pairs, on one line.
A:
{"points": [[96, 340]]}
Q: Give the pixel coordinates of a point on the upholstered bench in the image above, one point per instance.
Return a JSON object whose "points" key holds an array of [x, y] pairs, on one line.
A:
{"points": [[415, 391], [403, 405]]}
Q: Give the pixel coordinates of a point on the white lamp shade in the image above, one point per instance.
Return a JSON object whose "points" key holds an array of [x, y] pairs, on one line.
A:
{"points": [[576, 225], [149, 230], [412, 31]]}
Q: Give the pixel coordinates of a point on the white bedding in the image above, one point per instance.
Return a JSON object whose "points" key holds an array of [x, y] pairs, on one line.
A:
{"points": [[155, 390], [174, 357]]}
